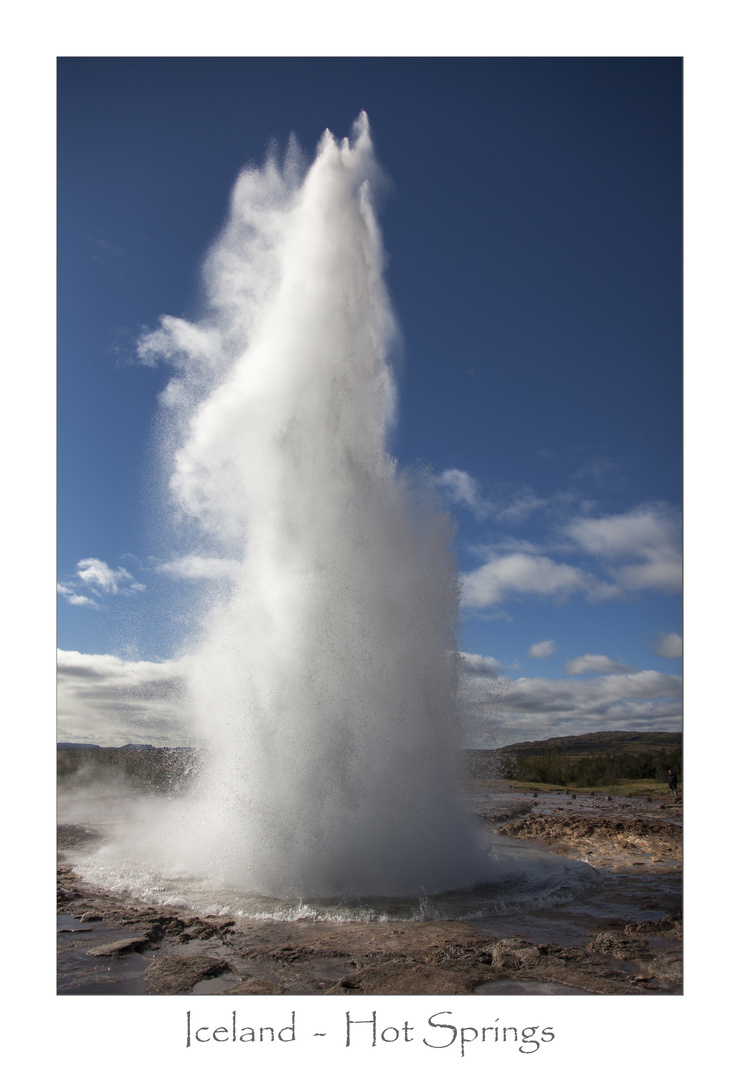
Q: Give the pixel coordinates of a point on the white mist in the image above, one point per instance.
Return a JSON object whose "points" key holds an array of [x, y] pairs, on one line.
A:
{"points": [[325, 683]]}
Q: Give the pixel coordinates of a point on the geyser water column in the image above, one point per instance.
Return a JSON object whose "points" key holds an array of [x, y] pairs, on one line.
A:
{"points": [[325, 679]]}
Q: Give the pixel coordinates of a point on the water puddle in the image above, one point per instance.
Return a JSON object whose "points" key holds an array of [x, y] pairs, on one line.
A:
{"points": [[80, 973], [512, 987]]}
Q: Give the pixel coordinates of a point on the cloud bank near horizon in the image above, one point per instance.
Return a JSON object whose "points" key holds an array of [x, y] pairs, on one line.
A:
{"points": [[106, 700]]}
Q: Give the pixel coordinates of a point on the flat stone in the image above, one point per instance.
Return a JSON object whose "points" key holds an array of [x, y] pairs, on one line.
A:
{"points": [[118, 948], [179, 974]]}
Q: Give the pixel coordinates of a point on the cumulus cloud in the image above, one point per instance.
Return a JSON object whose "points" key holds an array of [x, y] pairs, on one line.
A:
{"points": [[473, 665], [668, 645], [643, 700], [541, 649], [498, 710], [98, 579], [582, 665], [607, 558], [106, 700], [638, 532], [641, 547], [522, 574]]}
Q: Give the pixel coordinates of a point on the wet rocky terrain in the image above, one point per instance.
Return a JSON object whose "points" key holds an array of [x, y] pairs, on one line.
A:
{"points": [[624, 938]]}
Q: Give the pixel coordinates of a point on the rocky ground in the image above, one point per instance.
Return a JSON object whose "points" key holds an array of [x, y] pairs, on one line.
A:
{"points": [[625, 940]]}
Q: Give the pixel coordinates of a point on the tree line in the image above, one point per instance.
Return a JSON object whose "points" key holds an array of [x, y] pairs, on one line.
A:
{"points": [[555, 767]]}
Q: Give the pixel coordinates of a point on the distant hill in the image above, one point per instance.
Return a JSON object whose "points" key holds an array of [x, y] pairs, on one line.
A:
{"points": [[600, 742], [596, 758]]}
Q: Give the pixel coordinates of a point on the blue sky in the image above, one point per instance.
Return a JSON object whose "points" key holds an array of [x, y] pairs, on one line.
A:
{"points": [[533, 223]]}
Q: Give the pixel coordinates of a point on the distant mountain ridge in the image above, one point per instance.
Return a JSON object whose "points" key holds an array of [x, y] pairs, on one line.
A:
{"points": [[600, 742]]}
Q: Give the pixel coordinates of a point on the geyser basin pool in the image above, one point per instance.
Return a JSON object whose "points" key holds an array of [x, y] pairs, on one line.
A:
{"points": [[568, 925], [520, 878]]}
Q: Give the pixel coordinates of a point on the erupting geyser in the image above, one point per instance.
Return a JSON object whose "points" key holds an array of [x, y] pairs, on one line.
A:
{"points": [[325, 679]]}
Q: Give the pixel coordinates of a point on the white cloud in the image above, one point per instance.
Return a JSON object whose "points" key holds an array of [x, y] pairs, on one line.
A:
{"points": [[498, 710], [99, 576], [106, 700], [663, 573], [609, 557], [100, 580], [527, 575], [582, 665], [513, 504], [638, 532], [461, 488], [643, 700], [642, 547], [74, 598], [541, 649], [473, 664], [199, 567], [668, 645]]}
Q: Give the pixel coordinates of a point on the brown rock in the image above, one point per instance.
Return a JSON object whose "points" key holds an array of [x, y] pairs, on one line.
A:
{"points": [[406, 976], [514, 953], [119, 948], [667, 970], [179, 974], [618, 946], [668, 926]]}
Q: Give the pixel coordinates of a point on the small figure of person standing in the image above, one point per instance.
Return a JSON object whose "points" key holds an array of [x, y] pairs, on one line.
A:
{"points": [[673, 784]]}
